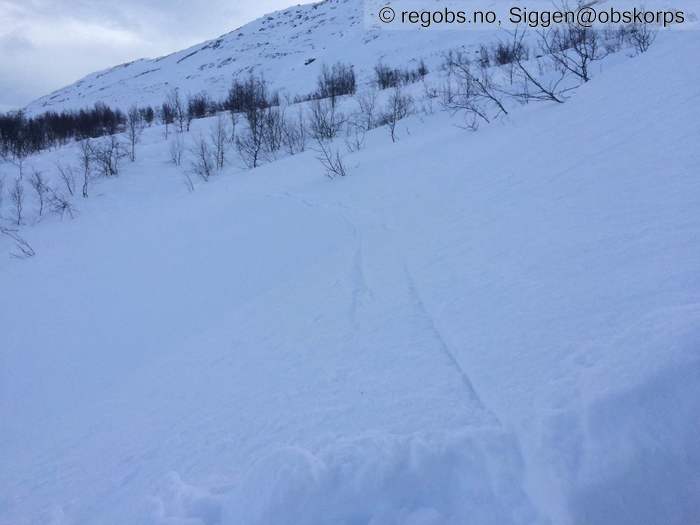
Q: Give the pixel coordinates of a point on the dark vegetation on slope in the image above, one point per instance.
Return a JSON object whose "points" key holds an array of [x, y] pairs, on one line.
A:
{"points": [[259, 126]]}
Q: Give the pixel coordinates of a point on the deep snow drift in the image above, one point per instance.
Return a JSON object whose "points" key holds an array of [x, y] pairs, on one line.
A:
{"points": [[497, 327]]}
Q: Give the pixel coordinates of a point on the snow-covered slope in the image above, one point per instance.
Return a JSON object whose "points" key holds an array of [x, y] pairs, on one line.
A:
{"points": [[288, 48], [498, 327]]}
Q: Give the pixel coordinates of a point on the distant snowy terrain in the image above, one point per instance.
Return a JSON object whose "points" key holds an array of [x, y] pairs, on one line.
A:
{"points": [[288, 48], [496, 327]]}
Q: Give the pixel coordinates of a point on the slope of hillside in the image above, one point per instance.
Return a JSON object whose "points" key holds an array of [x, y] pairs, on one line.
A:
{"points": [[449, 335], [288, 48]]}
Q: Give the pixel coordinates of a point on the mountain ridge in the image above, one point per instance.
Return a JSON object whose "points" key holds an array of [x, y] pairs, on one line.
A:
{"points": [[287, 47]]}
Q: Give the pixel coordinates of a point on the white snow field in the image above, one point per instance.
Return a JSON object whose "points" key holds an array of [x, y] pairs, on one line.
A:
{"points": [[491, 328]]}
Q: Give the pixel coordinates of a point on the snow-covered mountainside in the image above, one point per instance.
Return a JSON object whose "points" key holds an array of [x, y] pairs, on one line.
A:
{"points": [[490, 327], [493, 328], [288, 48]]}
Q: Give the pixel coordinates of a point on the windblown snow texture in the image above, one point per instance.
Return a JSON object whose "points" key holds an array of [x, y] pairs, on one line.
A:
{"points": [[497, 328]]}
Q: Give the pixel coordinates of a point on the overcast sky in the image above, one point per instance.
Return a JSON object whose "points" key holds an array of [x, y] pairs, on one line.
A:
{"points": [[47, 44]]}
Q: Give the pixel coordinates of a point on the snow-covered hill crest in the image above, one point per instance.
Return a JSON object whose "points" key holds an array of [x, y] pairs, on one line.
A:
{"points": [[286, 47]]}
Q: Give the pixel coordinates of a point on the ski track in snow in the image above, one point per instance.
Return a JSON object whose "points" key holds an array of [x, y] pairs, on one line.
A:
{"points": [[442, 344], [360, 289]]}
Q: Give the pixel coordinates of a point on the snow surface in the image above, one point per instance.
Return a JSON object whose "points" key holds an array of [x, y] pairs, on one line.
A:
{"points": [[498, 327]]}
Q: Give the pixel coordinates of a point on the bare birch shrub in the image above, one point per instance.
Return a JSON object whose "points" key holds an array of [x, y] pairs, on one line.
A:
{"points": [[474, 91], [134, 128], [23, 249], [17, 200], [367, 102], [325, 121], [218, 137], [67, 176], [176, 148], [38, 184], [202, 163], [642, 36], [295, 134], [534, 87], [330, 159], [108, 154], [60, 204], [85, 157], [398, 107], [573, 48]]}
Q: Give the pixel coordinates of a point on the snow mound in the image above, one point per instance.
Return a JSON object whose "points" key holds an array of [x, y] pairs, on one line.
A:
{"points": [[179, 503], [648, 432], [411, 480]]}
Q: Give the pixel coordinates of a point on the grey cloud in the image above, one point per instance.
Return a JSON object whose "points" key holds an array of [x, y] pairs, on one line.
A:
{"points": [[46, 44], [13, 43]]}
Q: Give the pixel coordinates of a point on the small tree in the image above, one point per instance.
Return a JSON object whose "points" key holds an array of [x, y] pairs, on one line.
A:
{"points": [[108, 154], [202, 163], [355, 135], [475, 89], [386, 77], [336, 81], [167, 116], [572, 49], [67, 175], [19, 155], [17, 199], [252, 99], [176, 148], [250, 144], [367, 102], [134, 128], [24, 249], [234, 122], [197, 107], [295, 134], [325, 120], [330, 159], [642, 36], [147, 115], [218, 136], [535, 88], [249, 94], [85, 156], [422, 69], [274, 122], [40, 188], [179, 111], [398, 107], [60, 204]]}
